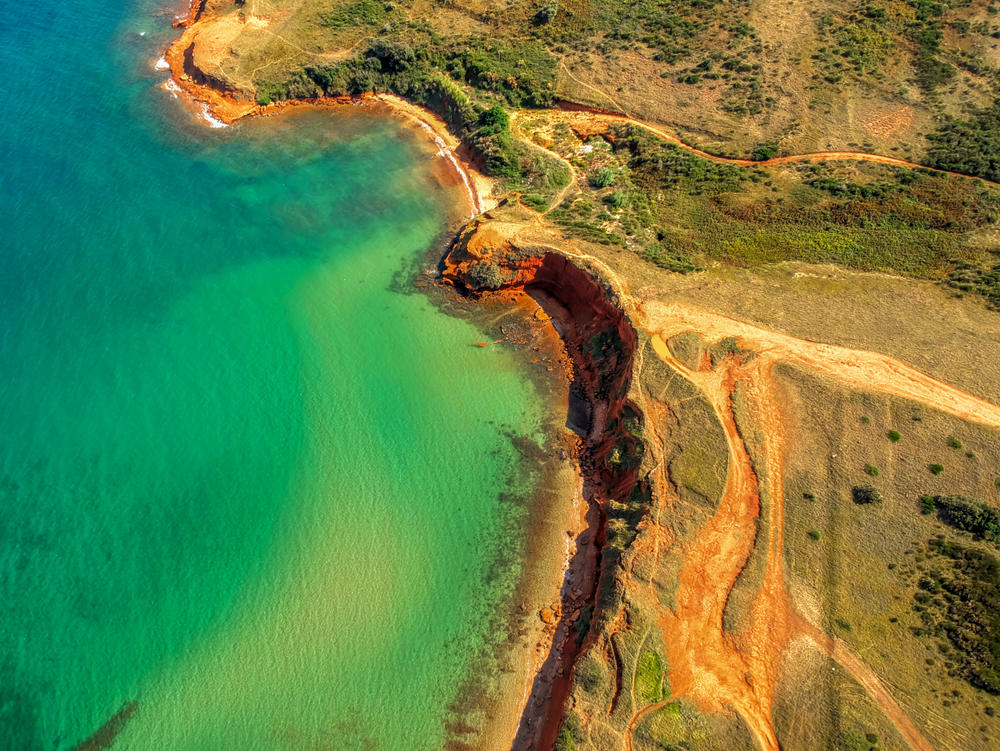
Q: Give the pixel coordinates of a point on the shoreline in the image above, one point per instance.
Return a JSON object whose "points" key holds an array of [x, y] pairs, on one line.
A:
{"points": [[557, 517], [553, 544], [217, 109]]}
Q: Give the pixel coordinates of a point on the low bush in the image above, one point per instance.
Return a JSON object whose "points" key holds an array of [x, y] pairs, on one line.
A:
{"points": [[486, 276], [958, 601], [602, 177], [968, 515], [864, 495]]}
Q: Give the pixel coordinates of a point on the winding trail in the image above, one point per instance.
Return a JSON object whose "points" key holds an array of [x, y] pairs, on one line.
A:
{"points": [[573, 174], [720, 670], [868, 371], [815, 156]]}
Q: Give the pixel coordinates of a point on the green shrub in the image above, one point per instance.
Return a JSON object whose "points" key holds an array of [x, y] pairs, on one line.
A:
{"points": [[547, 13], [927, 504], [765, 151], [954, 443], [602, 177], [968, 515], [813, 534], [486, 276], [864, 495], [872, 470], [936, 469], [894, 435], [617, 199]]}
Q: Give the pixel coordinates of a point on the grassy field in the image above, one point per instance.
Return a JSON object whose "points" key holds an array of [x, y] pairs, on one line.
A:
{"points": [[820, 705], [731, 76], [680, 212], [862, 580]]}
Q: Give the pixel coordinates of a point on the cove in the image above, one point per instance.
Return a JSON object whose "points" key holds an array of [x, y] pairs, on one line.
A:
{"points": [[250, 480]]}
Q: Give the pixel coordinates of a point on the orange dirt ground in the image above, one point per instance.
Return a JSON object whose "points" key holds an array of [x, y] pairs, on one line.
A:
{"points": [[722, 671]]}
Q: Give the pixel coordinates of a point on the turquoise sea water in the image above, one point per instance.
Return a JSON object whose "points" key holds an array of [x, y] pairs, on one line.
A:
{"points": [[248, 479]]}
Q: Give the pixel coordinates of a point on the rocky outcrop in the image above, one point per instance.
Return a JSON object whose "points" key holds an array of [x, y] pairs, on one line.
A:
{"points": [[488, 257]]}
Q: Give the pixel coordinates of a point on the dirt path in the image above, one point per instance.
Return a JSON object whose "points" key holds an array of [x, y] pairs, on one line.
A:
{"points": [[584, 84], [871, 683], [867, 371], [570, 185], [716, 669], [817, 156], [706, 665]]}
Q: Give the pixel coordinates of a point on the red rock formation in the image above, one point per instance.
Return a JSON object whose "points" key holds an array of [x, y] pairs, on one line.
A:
{"points": [[601, 344]]}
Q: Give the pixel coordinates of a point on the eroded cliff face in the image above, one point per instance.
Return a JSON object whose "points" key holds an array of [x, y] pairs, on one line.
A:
{"points": [[598, 335], [489, 257]]}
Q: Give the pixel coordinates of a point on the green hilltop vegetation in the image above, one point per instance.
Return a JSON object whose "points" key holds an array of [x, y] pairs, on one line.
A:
{"points": [[929, 65]]}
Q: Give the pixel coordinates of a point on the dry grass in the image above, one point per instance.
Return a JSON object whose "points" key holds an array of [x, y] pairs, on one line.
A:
{"points": [[843, 581]]}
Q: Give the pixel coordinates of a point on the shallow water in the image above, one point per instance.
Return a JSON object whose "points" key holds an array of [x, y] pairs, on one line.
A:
{"points": [[248, 478]]}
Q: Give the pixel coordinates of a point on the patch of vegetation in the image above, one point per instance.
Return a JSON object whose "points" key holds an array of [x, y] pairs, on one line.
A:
{"points": [[966, 514], [849, 740], [894, 436], [969, 277], [970, 146], [864, 495], [925, 30], [813, 534], [958, 599], [486, 276], [359, 13], [570, 734], [522, 72], [936, 469], [872, 470], [649, 677]]}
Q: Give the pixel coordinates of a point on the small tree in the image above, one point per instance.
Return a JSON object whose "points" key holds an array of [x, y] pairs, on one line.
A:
{"points": [[486, 276], [547, 13], [864, 495]]}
